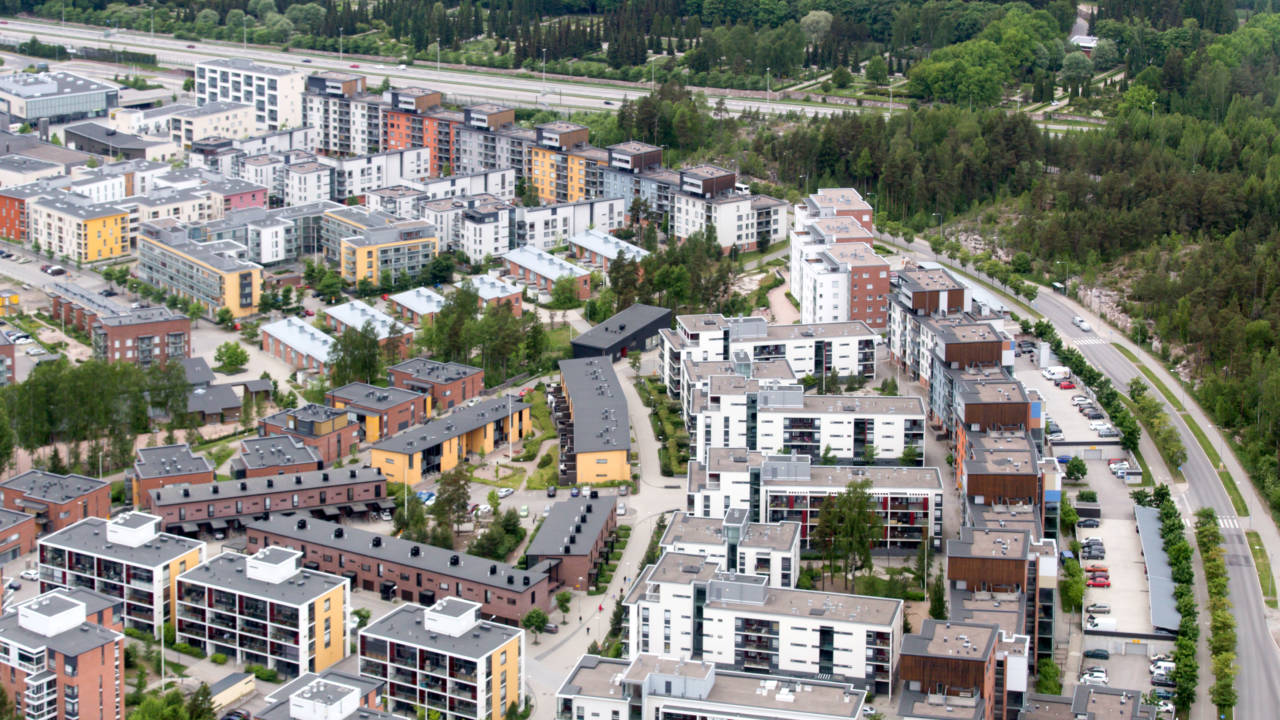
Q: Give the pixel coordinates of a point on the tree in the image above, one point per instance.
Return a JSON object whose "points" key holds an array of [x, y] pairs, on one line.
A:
{"points": [[816, 24], [1067, 517], [910, 456], [938, 598], [357, 356], [1076, 469], [924, 558], [563, 598], [231, 357], [1077, 69], [841, 77], [1105, 55], [200, 704], [888, 387], [535, 344], [564, 293], [1048, 678], [869, 454], [453, 497], [877, 71], [493, 500], [535, 621], [224, 317]]}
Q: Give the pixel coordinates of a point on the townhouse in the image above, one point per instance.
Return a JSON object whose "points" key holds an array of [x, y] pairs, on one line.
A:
{"points": [[265, 609], [540, 271], [417, 306], [818, 349], [75, 227], [63, 648], [329, 430], [141, 336], [443, 443], [56, 500], [379, 411], [387, 254], [770, 550], [597, 249], [218, 507], [298, 343], [393, 337], [410, 571], [446, 383], [157, 467], [275, 93], [444, 659], [791, 488], [747, 625], [126, 558], [211, 273], [578, 540], [595, 429], [650, 686], [494, 291], [17, 534], [274, 455], [217, 119]]}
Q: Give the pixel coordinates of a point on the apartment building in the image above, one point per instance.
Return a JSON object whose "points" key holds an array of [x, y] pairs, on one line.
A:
{"points": [[141, 336], [218, 507], [275, 93], [561, 165], [348, 116], [265, 609], [362, 174], [60, 654], [835, 203], [344, 221], [818, 349], [301, 345], [600, 250], [446, 383], [650, 686], [1090, 700], [487, 138], [579, 539], [380, 411], [547, 226], [595, 430], [494, 291], [707, 199], [385, 254], [307, 182], [954, 670], [56, 500], [274, 455], [791, 488], [394, 338], [329, 430], [695, 377], [211, 273], [75, 227], [441, 444], [846, 281], [999, 467], [685, 607], [418, 306], [17, 170], [157, 467], [410, 571], [770, 550], [59, 97], [217, 119], [410, 198], [8, 362], [414, 118], [445, 660], [126, 558], [539, 271], [15, 202]]}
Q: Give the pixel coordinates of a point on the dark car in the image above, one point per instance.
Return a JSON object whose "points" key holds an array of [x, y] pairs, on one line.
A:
{"points": [[551, 491], [15, 585], [574, 491], [1162, 694], [1094, 415], [236, 715], [1162, 681], [1098, 654], [1088, 523], [551, 628]]}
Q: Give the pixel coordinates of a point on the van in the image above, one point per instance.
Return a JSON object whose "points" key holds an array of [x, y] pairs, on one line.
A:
{"points": [[1057, 372], [1103, 624], [1164, 667]]}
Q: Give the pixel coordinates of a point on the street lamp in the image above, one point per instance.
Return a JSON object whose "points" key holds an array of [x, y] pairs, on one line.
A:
{"points": [[544, 71]]}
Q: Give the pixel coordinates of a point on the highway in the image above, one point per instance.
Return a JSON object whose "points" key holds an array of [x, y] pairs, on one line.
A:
{"points": [[462, 86], [1258, 680]]}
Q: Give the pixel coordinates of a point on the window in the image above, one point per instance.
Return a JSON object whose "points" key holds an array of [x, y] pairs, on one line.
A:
{"points": [[327, 602]]}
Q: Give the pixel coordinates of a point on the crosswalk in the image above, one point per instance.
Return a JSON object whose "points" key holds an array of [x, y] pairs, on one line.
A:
{"points": [[1092, 340], [1229, 521]]}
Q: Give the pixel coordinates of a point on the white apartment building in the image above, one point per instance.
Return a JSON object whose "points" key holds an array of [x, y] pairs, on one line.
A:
{"points": [[791, 488], [548, 226], [121, 179], [274, 92], [500, 183], [834, 202], [740, 220], [818, 349], [348, 124], [306, 183], [213, 119], [746, 624], [99, 187], [843, 281], [656, 688], [771, 550], [359, 175]]}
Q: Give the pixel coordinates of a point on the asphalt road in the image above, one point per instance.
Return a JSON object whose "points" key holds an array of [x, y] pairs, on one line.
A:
{"points": [[1258, 680], [460, 85]]}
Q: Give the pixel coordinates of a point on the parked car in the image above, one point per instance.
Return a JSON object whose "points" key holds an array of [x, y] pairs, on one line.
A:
{"points": [[1098, 654], [1057, 437], [1165, 706], [1100, 576], [506, 492], [1078, 400], [624, 490], [1099, 424], [622, 508], [551, 491], [574, 491], [30, 574], [1098, 583], [1109, 432], [1066, 385], [1162, 694], [1094, 555], [15, 585], [37, 350], [1096, 568], [484, 509], [234, 714], [1160, 680], [1092, 680], [524, 511], [1088, 523]]}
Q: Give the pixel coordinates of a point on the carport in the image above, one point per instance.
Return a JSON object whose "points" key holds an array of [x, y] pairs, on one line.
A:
{"points": [[1164, 608]]}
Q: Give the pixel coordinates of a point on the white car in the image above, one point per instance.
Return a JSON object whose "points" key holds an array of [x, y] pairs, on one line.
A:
{"points": [[1166, 706], [1092, 539], [622, 508], [484, 509], [24, 340], [1079, 400], [1057, 437], [1076, 320], [506, 492], [31, 575], [1099, 425], [32, 352]]}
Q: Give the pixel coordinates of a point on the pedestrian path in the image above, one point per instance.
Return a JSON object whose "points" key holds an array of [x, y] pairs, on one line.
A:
{"points": [[1094, 340]]}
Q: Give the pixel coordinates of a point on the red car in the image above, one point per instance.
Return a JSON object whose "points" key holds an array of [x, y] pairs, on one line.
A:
{"points": [[354, 65], [1099, 583], [311, 313], [1096, 569], [191, 47], [1066, 385]]}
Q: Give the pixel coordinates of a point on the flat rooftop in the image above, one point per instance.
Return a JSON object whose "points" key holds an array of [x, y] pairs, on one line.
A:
{"points": [[1001, 452], [756, 695], [243, 65], [995, 543], [45, 486], [372, 396], [275, 450], [34, 86], [600, 419], [951, 640], [434, 371], [837, 200], [90, 536], [810, 603], [74, 642], [686, 528], [921, 279], [227, 572], [169, 460], [404, 626]]}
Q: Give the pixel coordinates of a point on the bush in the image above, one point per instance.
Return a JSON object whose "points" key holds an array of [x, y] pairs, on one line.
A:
{"points": [[1087, 496], [263, 673], [186, 649], [218, 659], [544, 461]]}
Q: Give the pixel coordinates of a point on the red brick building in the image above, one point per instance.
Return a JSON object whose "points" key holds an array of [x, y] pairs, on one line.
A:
{"points": [[7, 359], [274, 455], [449, 384], [159, 467], [142, 336], [328, 430], [18, 530], [57, 501], [394, 337], [541, 270], [77, 664], [577, 540], [381, 412], [407, 570]]}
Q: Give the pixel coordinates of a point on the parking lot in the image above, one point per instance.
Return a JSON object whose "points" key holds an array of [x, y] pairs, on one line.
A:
{"points": [[1057, 403]]}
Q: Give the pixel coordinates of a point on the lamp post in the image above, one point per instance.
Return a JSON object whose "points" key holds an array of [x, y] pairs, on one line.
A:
{"points": [[544, 71]]}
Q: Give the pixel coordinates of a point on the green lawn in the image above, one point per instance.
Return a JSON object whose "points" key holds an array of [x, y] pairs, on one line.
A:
{"points": [[753, 255], [1260, 560], [544, 477], [509, 476]]}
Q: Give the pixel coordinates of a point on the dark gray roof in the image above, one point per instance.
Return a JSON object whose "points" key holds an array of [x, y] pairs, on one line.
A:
{"points": [[228, 572], [9, 518], [213, 399], [319, 533], [435, 371], [566, 517], [198, 372], [336, 477], [169, 460], [227, 681], [73, 642], [90, 536], [20, 163], [43, 485], [459, 422], [1164, 608], [404, 625], [274, 450], [372, 396], [600, 420], [107, 136], [631, 320], [307, 413]]}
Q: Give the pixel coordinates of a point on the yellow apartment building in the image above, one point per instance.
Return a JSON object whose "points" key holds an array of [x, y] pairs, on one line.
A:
{"points": [[79, 229], [208, 272], [441, 444], [599, 435], [406, 247]]}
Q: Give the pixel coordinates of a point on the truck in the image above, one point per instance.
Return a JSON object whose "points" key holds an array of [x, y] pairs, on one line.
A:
{"points": [[1056, 372], [1102, 624]]}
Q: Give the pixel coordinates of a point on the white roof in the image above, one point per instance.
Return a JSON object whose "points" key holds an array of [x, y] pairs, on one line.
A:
{"points": [[422, 301], [491, 288], [300, 336], [606, 245], [544, 264], [356, 313]]}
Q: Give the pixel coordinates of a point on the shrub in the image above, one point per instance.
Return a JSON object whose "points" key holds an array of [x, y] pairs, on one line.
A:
{"points": [[218, 659], [186, 649], [1087, 496], [263, 673], [544, 461]]}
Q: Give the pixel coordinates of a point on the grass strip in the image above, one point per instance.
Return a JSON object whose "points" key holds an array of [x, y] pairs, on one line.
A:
{"points": [[1228, 482], [1263, 563], [1150, 374]]}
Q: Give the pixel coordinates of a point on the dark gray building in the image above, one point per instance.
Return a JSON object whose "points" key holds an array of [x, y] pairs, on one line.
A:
{"points": [[635, 329]]}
